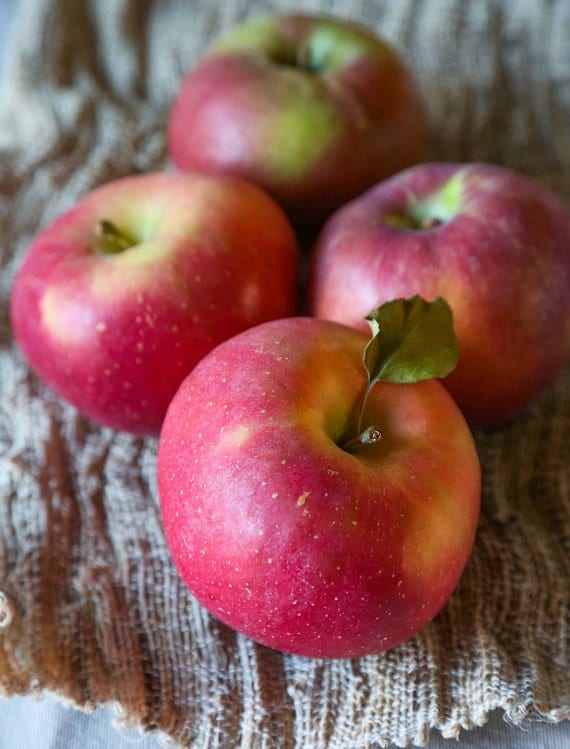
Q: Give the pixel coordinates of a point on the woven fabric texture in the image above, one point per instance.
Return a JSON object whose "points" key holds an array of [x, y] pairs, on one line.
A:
{"points": [[91, 607]]}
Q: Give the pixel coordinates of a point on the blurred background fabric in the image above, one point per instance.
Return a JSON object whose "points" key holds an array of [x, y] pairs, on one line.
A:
{"points": [[94, 610]]}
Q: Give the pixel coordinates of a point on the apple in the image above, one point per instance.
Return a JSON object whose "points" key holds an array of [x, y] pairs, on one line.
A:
{"points": [[314, 109], [493, 242], [121, 296], [320, 507]]}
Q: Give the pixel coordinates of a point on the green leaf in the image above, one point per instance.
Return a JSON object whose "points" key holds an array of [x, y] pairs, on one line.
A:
{"points": [[412, 340]]}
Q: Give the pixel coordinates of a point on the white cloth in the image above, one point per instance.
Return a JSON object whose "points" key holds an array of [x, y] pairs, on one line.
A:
{"points": [[29, 723]]}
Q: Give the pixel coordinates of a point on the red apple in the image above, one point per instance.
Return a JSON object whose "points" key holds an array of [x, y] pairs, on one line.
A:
{"points": [[284, 523], [119, 298], [493, 243], [314, 109]]}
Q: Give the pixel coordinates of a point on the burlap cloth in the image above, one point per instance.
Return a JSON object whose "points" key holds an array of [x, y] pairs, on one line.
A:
{"points": [[92, 608]]}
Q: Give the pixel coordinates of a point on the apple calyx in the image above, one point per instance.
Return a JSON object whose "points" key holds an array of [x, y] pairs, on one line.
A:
{"points": [[109, 240], [412, 340]]}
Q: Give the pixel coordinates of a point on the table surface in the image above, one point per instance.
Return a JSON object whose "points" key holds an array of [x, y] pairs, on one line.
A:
{"points": [[32, 723]]}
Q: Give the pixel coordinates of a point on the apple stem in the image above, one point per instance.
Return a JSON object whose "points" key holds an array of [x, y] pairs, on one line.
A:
{"points": [[431, 223], [365, 395], [409, 222], [302, 57], [369, 436], [109, 239]]}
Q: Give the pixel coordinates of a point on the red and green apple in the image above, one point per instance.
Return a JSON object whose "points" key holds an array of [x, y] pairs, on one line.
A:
{"points": [[494, 243], [119, 298], [314, 109], [319, 506]]}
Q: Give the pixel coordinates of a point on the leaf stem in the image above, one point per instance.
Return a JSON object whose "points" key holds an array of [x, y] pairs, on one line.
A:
{"points": [[363, 406]]}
